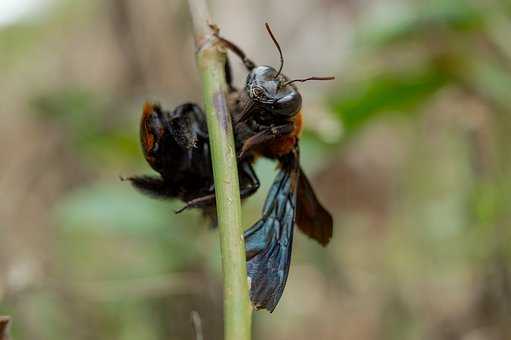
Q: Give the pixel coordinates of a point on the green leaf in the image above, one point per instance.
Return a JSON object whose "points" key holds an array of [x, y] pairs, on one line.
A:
{"points": [[386, 92], [114, 207], [419, 22]]}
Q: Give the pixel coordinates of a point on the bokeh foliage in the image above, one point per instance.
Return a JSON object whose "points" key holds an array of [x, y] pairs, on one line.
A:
{"points": [[418, 181]]}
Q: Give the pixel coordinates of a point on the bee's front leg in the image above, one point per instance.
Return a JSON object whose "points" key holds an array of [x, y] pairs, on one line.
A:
{"points": [[249, 183], [266, 135]]}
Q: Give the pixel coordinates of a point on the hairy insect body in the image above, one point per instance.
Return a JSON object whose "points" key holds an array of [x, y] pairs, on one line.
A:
{"points": [[267, 122], [284, 144]]}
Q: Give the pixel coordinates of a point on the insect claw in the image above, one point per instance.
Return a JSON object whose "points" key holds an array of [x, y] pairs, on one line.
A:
{"points": [[214, 28], [180, 210], [242, 154]]}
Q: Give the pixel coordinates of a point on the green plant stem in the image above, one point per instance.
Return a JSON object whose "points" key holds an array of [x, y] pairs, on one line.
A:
{"points": [[211, 60]]}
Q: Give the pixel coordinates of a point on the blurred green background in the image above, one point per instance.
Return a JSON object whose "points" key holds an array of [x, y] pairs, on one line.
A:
{"points": [[409, 148]]}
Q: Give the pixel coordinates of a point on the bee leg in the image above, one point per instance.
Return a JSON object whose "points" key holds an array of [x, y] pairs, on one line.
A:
{"points": [[249, 64], [151, 186], [265, 136], [202, 201], [228, 75], [249, 183]]}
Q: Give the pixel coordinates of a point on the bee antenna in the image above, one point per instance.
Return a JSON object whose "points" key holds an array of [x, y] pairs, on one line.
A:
{"points": [[307, 79], [278, 48]]}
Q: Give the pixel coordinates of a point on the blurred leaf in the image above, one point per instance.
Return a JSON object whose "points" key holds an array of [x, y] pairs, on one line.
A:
{"points": [[78, 108], [20, 39], [16, 40], [114, 207], [388, 91], [422, 21], [89, 120], [491, 80], [141, 236], [485, 202]]}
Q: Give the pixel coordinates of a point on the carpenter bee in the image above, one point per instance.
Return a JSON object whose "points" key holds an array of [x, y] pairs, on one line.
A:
{"points": [[176, 145], [267, 122]]}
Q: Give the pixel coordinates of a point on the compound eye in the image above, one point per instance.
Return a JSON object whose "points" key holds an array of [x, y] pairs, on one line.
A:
{"points": [[288, 105], [257, 92]]}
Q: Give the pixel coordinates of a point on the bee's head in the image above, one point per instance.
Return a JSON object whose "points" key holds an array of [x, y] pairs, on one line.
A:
{"points": [[272, 91]]}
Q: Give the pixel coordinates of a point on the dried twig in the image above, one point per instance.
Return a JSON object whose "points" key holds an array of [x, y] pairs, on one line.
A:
{"points": [[197, 325]]}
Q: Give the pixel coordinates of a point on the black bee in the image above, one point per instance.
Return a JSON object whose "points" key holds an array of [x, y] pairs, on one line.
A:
{"points": [[267, 122], [176, 145]]}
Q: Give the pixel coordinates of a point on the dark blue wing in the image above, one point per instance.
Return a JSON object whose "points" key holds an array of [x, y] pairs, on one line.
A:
{"points": [[269, 241]]}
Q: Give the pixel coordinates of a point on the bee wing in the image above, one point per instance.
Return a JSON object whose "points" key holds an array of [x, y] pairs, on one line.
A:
{"points": [[269, 241], [311, 217]]}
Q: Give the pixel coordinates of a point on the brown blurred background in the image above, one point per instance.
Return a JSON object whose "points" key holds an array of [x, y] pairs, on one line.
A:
{"points": [[409, 148]]}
